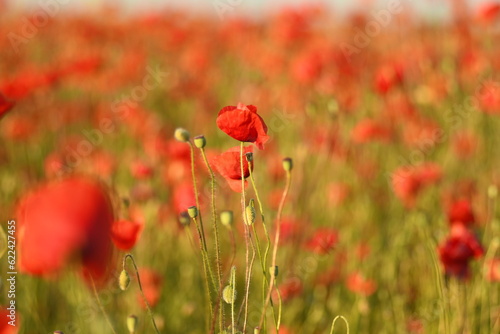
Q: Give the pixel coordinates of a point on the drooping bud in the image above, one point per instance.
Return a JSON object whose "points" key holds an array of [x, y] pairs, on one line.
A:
{"points": [[184, 218], [132, 323], [226, 218], [124, 280], [193, 211], [287, 164], [181, 135], [200, 141], [273, 271], [229, 294], [249, 156], [250, 212]]}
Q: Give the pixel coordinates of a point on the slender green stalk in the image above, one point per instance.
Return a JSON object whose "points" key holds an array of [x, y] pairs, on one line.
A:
{"points": [[335, 320], [101, 306], [263, 260], [247, 241], [140, 288], [195, 189], [276, 243], [233, 286], [216, 235]]}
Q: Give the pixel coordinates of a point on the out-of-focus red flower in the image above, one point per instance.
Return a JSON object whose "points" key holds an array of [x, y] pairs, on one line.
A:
{"points": [[323, 241], [329, 277], [460, 211], [151, 285], [141, 170], [465, 145], [5, 328], [488, 12], [458, 250], [125, 234], [415, 326], [289, 229], [408, 181], [306, 68], [338, 193], [292, 287], [64, 219], [242, 123], [492, 270], [228, 164], [488, 98], [5, 105], [369, 130], [183, 197], [360, 285], [388, 76]]}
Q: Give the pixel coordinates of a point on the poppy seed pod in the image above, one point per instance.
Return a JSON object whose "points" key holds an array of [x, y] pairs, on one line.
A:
{"points": [[250, 212], [226, 218], [229, 294], [124, 280], [193, 211], [181, 135], [273, 271], [132, 323], [249, 156], [200, 141], [287, 164]]}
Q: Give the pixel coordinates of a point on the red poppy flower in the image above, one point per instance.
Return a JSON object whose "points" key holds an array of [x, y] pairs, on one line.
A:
{"points": [[360, 285], [125, 233], [5, 327], [183, 197], [492, 270], [458, 250], [62, 219], [488, 12], [370, 130], [461, 212], [289, 289], [244, 124], [323, 241], [228, 164], [5, 105], [151, 283]]}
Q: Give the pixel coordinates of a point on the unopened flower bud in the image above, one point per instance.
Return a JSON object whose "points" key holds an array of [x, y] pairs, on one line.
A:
{"points": [[229, 294], [273, 271], [184, 218], [200, 141], [287, 164], [249, 156], [124, 280], [132, 323], [58, 332], [250, 212], [226, 218], [181, 135], [193, 211]]}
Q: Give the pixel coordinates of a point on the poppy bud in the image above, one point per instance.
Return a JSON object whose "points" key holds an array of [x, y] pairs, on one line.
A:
{"points": [[181, 135], [58, 332], [132, 323], [256, 330], [250, 212], [124, 280], [226, 218], [229, 294], [273, 271], [249, 156], [193, 211], [184, 218], [287, 164], [200, 141]]}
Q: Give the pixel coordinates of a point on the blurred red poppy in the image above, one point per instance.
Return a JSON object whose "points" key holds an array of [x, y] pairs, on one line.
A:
{"points": [[492, 270], [360, 285], [243, 123], [151, 283], [323, 241], [62, 219], [125, 233], [460, 211], [5, 327], [458, 250], [228, 164], [5, 105]]}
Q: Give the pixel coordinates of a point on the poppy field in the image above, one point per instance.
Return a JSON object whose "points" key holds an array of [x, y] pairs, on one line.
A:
{"points": [[298, 171]]}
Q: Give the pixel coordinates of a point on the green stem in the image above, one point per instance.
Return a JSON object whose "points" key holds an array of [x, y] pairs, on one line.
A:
{"points": [[140, 288], [216, 235], [102, 307]]}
